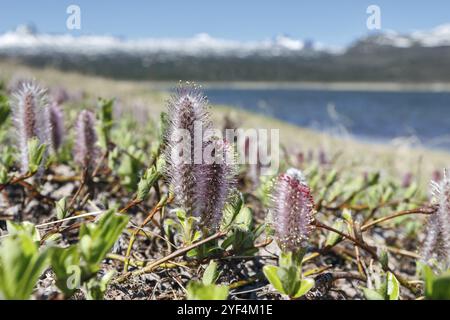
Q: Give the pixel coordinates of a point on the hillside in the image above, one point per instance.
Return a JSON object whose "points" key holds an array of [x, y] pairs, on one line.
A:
{"points": [[422, 56]]}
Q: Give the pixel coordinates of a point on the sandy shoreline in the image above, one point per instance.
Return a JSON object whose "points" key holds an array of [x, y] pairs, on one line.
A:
{"points": [[331, 86]]}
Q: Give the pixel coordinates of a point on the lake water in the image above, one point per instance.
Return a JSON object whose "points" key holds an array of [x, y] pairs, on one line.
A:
{"points": [[422, 117]]}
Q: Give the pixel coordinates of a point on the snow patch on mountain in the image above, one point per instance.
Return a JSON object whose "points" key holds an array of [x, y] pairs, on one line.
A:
{"points": [[26, 41], [437, 37]]}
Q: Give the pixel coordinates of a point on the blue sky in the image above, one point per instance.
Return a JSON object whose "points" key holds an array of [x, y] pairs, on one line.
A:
{"points": [[331, 22]]}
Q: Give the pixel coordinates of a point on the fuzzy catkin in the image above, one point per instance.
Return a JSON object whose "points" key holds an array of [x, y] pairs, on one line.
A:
{"points": [[86, 152], [57, 126], [292, 211], [31, 118], [217, 180], [437, 239], [187, 110]]}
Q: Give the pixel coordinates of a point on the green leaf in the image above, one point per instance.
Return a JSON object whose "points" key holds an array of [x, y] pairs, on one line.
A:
{"points": [[211, 274], [96, 239], [163, 125], [288, 259], [65, 264], [150, 177], [382, 288], [243, 242], [129, 166], [384, 258], [429, 276], [271, 273], [305, 286], [347, 215], [285, 259], [387, 195], [3, 174], [181, 215], [441, 287], [4, 109], [21, 263], [95, 289], [265, 188], [393, 287], [290, 279], [187, 227], [52, 239], [199, 291], [78, 265], [333, 237], [244, 219], [331, 178], [437, 287], [228, 241], [232, 209], [411, 191], [106, 120], [371, 294], [25, 227], [373, 178], [36, 153], [61, 208]]}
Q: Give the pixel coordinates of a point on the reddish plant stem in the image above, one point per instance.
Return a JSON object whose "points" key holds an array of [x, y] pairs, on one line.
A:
{"points": [[347, 236], [77, 193], [149, 268], [422, 210], [129, 205], [100, 163], [15, 180], [372, 252]]}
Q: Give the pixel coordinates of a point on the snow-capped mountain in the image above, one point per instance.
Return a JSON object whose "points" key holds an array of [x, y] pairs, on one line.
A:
{"points": [[437, 37], [25, 40], [386, 56]]}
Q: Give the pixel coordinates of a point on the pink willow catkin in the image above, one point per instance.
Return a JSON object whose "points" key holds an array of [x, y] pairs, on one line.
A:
{"points": [[186, 108], [217, 180], [57, 126], [437, 240], [86, 151], [30, 117], [292, 211]]}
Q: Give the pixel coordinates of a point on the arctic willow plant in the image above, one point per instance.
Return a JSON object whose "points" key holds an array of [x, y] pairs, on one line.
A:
{"points": [[86, 151], [187, 111], [437, 240], [291, 218], [292, 211], [203, 175], [31, 119]]}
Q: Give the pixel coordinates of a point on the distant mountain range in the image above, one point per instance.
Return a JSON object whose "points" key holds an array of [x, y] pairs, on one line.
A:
{"points": [[421, 56]]}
